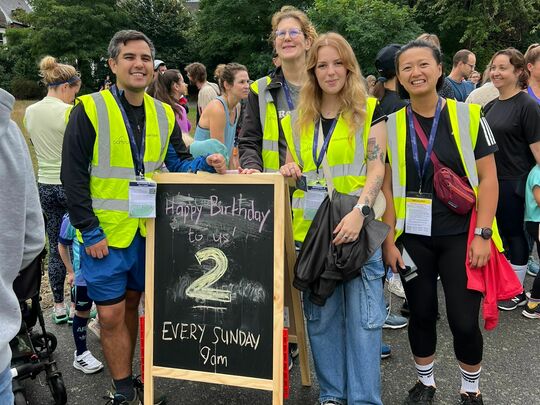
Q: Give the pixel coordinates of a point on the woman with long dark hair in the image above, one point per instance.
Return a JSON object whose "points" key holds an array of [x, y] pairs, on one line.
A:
{"points": [[434, 236]]}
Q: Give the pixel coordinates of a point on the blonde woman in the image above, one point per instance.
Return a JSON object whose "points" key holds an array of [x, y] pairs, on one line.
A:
{"points": [[338, 128], [46, 121]]}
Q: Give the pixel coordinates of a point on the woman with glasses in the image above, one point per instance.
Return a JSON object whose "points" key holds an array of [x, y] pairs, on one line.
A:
{"points": [[261, 143], [514, 118], [46, 121], [337, 138], [434, 236]]}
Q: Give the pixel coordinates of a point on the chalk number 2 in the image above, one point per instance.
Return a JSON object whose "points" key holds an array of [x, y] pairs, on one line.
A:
{"points": [[200, 288]]}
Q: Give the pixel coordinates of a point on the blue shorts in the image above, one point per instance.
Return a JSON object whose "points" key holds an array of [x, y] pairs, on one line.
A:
{"points": [[79, 296], [109, 278]]}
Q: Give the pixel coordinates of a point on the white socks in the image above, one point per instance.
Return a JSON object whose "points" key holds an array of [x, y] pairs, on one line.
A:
{"points": [[520, 272], [469, 381], [425, 374]]}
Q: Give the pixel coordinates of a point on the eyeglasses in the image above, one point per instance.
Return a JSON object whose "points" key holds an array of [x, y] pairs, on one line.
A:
{"points": [[293, 33]]}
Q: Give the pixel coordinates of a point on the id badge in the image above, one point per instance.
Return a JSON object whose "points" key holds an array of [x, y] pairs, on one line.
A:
{"points": [[313, 199], [418, 213], [142, 199]]}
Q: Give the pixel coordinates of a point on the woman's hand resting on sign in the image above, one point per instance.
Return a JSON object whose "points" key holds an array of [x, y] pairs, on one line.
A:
{"points": [[217, 161], [247, 171], [291, 170], [349, 227]]}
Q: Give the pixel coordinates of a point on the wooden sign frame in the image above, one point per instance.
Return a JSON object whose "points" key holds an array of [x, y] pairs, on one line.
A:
{"points": [[276, 383]]}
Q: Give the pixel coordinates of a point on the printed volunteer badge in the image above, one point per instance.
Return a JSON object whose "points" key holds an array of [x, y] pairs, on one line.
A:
{"points": [[142, 199]]}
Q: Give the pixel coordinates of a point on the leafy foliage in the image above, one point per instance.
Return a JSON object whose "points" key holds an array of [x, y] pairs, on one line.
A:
{"points": [[368, 25]]}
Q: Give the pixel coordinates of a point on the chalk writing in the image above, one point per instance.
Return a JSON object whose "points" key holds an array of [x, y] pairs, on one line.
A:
{"points": [[200, 288]]}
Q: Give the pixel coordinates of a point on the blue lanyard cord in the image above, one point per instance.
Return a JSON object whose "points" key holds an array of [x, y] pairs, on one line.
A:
{"points": [[318, 159], [287, 91], [414, 145], [136, 153]]}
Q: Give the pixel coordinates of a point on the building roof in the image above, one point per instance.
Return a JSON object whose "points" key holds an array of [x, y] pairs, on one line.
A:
{"points": [[7, 7]]}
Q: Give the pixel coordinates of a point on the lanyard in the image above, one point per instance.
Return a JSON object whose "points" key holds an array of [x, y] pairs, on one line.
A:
{"points": [[136, 153], [414, 146], [318, 159], [287, 91]]}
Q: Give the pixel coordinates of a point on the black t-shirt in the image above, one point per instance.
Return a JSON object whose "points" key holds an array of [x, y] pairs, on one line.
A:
{"points": [[391, 102], [444, 221], [515, 123]]}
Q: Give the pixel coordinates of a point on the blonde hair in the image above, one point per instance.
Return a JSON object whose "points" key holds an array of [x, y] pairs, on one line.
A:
{"points": [[54, 73], [292, 12], [352, 97]]}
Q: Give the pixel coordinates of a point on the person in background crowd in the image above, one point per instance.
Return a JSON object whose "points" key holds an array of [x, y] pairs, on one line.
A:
{"points": [[159, 67], [22, 232], [446, 90], [45, 121], [345, 336], [218, 120], [532, 224], [484, 93], [532, 59], [196, 73], [439, 244], [371, 81], [169, 87], [113, 235], [83, 359], [463, 65], [514, 118], [475, 78], [261, 144], [385, 92]]}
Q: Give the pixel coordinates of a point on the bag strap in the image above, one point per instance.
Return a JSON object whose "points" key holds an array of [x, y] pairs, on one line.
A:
{"points": [[423, 139]]}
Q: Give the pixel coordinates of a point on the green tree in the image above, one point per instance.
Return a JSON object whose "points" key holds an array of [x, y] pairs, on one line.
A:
{"points": [[236, 31], [166, 23], [368, 25], [74, 31], [483, 26]]}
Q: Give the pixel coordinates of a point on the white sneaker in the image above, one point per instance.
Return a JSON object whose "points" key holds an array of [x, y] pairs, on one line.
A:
{"points": [[396, 287], [94, 327], [87, 363]]}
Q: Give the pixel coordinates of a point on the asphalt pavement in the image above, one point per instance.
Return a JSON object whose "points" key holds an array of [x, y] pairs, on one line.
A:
{"points": [[509, 374]]}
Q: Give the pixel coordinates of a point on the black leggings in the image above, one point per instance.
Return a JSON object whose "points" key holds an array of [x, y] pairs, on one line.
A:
{"points": [[443, 255], [510, 217], [532, 229]]}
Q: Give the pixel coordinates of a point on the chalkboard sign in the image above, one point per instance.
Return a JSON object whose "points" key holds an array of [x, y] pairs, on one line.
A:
{"points": [[215, 279]]}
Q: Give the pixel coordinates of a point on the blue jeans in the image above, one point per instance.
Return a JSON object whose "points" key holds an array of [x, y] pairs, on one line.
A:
{"points": [[6, 395], [345, 336]]}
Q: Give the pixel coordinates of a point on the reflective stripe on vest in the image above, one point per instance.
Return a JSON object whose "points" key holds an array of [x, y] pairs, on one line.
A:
{"points": [[347, 178], [269, 125], [112, 163], [465, 121]]}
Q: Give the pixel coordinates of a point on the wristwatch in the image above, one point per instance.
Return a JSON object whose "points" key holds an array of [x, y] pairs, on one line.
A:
{"points": [[364, 209], [485, 233]]}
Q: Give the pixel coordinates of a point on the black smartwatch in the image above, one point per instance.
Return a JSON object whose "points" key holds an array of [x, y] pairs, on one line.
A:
{"points": [[364, 209], [485, 233]]}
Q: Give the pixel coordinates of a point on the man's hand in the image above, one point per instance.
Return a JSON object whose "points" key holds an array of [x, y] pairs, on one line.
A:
{"points": [[98, 250], [217, 161]]}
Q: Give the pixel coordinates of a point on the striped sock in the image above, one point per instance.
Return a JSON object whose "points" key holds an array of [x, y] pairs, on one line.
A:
{"points": [[425, 374], [470, 380]]}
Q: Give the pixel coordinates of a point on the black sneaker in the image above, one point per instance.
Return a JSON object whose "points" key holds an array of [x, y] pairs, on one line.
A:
{"points": [[532, 310], [420, 394], [511, 304], [159, 397], [119, 399], [471, 398]]}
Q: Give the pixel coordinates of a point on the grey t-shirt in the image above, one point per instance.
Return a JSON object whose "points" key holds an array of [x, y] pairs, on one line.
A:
{"points": [[283, 110]]}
